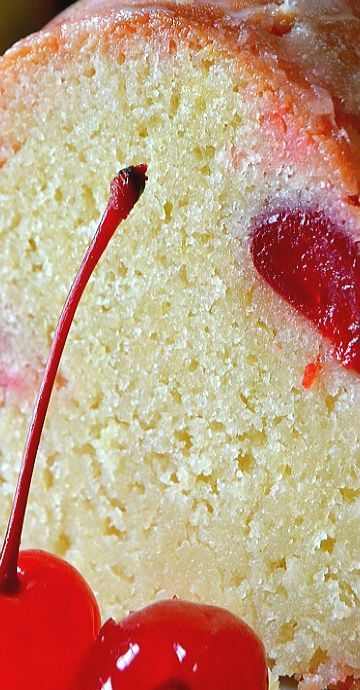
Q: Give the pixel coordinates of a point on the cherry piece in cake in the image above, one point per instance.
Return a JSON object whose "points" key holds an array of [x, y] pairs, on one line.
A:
{"points": [[315, 266], [176, 645]]}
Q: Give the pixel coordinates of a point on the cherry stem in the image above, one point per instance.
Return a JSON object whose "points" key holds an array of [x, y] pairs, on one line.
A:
{"points": [[125, 190]]}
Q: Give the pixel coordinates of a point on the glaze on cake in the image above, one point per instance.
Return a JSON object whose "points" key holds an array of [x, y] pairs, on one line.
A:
{"points": [[182, 453]]}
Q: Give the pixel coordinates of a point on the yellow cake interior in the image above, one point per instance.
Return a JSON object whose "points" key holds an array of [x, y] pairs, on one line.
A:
{"points": [[181, 454]]}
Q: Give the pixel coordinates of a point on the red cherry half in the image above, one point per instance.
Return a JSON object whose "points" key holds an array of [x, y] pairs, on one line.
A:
{"points": [[176, 645], [47, 626], [48, 615], [314, 265]]}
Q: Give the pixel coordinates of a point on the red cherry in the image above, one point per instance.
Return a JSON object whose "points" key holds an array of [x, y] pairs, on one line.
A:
{"points": [[48, 615], [176, 645], [47, 627], [315, 266]]}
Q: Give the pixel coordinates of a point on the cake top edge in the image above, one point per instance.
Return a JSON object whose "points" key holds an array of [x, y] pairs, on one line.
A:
{"points": [[312, 44], [240, 10], [218, 14]]}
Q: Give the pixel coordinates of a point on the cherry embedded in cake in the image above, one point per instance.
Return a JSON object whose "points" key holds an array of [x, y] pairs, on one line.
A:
{"points": [[311, 373], [315, 266]]}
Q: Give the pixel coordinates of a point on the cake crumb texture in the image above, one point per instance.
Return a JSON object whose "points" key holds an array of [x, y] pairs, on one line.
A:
{"points": [[182, 454]]}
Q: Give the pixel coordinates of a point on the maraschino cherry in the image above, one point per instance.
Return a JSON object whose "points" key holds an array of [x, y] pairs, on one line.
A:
{"points": [[315, 265], [48, 615], [176, 645]]}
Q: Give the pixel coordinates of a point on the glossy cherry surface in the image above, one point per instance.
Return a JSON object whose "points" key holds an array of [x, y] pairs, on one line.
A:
{"points": [[48, 615], [47, 626], [176, 645], [315, 266]]}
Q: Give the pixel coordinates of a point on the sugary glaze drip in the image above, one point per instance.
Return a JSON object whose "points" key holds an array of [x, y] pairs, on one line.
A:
{"points": [[315, 266]]}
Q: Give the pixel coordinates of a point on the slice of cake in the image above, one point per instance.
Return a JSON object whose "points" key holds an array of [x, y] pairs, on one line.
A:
{"points": [[203, 439]]}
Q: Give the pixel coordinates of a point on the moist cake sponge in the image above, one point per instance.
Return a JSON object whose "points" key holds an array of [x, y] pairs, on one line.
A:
{"points": [[182, 453]]}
